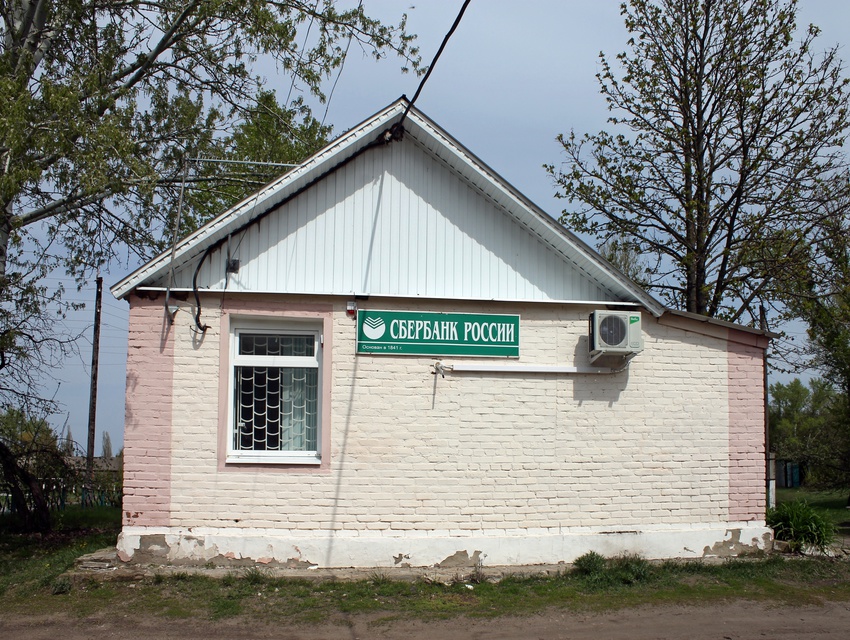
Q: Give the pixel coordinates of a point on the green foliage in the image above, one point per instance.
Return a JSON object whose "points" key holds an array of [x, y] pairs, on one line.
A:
{"points": [[811, 426], [831, 504], [31, 570], [40, 475], [268, 133], [228, 580], [103, 102], [801, 526], [625, 256], [61, 586], [726, 125], [30, 460], [255, 576], [821, 298], [29, 437], [106, 446], [599, 572], [590, 564], [30, 564], [799, 415], [79, 518], [630, 569]]}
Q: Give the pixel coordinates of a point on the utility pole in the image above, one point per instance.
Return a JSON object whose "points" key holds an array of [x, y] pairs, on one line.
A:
{"points": [[769, 456], [95, 348]]}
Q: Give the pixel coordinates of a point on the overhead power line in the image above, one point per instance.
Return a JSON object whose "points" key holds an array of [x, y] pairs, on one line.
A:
{"points": [[434, 62]]}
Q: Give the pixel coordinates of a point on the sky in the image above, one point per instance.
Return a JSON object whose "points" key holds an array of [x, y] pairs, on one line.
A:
{"points": [[513, 76]]}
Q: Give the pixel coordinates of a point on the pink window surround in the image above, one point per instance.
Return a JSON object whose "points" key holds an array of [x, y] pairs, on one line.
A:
{"points": [[148, 413], [233, 308], [747, 488]]}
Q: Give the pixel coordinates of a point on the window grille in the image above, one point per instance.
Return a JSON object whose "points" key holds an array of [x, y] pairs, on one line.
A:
{"points": [[276, 393]]}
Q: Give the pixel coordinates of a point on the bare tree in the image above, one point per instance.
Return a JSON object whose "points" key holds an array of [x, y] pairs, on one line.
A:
{"points": [[728, 128]]}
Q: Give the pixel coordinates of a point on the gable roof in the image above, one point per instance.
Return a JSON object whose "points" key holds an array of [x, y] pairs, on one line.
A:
{"points": [[426, 218]]}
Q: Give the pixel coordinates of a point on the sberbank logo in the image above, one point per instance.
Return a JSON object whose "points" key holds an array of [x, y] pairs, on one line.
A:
{"points": [[374, 328]]}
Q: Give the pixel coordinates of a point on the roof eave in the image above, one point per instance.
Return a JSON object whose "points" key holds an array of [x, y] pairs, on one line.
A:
{"points": [[348, 144], [217, 228], [655, 307], [721, 323]]}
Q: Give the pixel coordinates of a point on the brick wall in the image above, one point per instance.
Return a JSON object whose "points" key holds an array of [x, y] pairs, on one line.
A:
{"points": [[747, 489], [488, 452], [148, 417]]}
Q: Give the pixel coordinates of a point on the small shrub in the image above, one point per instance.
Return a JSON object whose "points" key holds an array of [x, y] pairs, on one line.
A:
{"points": [[378, 578], [590, 564], [629, 569], [598, 572], [255, 575], [801, 526], [229, 579], [61, 586], [478, 576]]}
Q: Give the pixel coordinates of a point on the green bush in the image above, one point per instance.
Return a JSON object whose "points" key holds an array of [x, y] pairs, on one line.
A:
{"points": [[801, 526], [629, 569], [590, 564], [61, 586], [596, 571]]}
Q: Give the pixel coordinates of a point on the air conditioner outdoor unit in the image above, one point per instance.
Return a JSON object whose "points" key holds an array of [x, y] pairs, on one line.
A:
{"points": [[615, 333]]}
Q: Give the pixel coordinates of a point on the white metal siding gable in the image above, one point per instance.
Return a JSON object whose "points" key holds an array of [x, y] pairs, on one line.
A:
{"points": [[397, 222]]}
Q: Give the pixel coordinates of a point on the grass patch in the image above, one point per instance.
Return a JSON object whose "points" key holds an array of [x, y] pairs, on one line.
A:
{"points": [[833, 504], [31, 564], [31, 582]]}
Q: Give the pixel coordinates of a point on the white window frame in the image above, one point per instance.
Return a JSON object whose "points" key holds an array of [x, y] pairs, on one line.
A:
{"points": [[273, 327]]}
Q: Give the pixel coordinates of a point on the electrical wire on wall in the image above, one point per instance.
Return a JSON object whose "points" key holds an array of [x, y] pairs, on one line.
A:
{"points": [[393, 133]]}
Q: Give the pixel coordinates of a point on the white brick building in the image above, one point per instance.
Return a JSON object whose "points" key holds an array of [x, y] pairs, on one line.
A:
{"points": [[286, 416]]}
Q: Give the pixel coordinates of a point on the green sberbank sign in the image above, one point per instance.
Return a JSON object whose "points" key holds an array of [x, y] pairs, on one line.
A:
{"points": [[426, 333]]}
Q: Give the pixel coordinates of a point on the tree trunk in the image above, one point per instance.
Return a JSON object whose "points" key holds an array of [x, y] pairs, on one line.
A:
{"points": [[5, 235], [18, 479]]}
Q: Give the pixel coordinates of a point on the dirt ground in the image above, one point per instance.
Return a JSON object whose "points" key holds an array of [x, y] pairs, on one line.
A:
{"points": [[731, 621]]}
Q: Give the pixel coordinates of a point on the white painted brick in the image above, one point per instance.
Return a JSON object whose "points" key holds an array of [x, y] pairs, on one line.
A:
{"points": [[494, 452]]}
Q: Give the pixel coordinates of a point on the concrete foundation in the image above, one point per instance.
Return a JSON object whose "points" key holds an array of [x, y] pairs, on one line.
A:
{"points": [[271, 548]]}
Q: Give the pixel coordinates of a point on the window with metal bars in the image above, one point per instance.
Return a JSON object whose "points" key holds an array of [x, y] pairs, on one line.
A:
{"points": [[275, 382]]}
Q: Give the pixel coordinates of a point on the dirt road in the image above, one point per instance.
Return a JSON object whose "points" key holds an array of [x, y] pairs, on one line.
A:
{"points": [[734, 621]]}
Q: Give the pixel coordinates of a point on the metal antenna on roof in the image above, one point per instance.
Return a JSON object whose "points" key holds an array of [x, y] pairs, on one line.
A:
{"points": [[169, 312]]}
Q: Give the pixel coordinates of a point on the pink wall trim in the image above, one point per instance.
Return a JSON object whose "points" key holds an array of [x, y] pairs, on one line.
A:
{"points": [[147, 422], [747, 500], [252, 308]]}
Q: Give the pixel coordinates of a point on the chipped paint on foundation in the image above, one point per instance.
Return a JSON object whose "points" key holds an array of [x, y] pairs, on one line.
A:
{"points": [[248, 547], [732, 546], [461, 559]]}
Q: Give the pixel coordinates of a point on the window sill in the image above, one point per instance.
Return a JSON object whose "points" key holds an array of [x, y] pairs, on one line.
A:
{"points": [[304, 459]]}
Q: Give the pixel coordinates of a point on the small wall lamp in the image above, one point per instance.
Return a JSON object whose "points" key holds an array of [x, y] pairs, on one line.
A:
{"points": [[351, 308]]}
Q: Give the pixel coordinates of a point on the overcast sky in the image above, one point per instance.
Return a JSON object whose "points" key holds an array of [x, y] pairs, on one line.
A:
{"points": [[514, 75]]}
